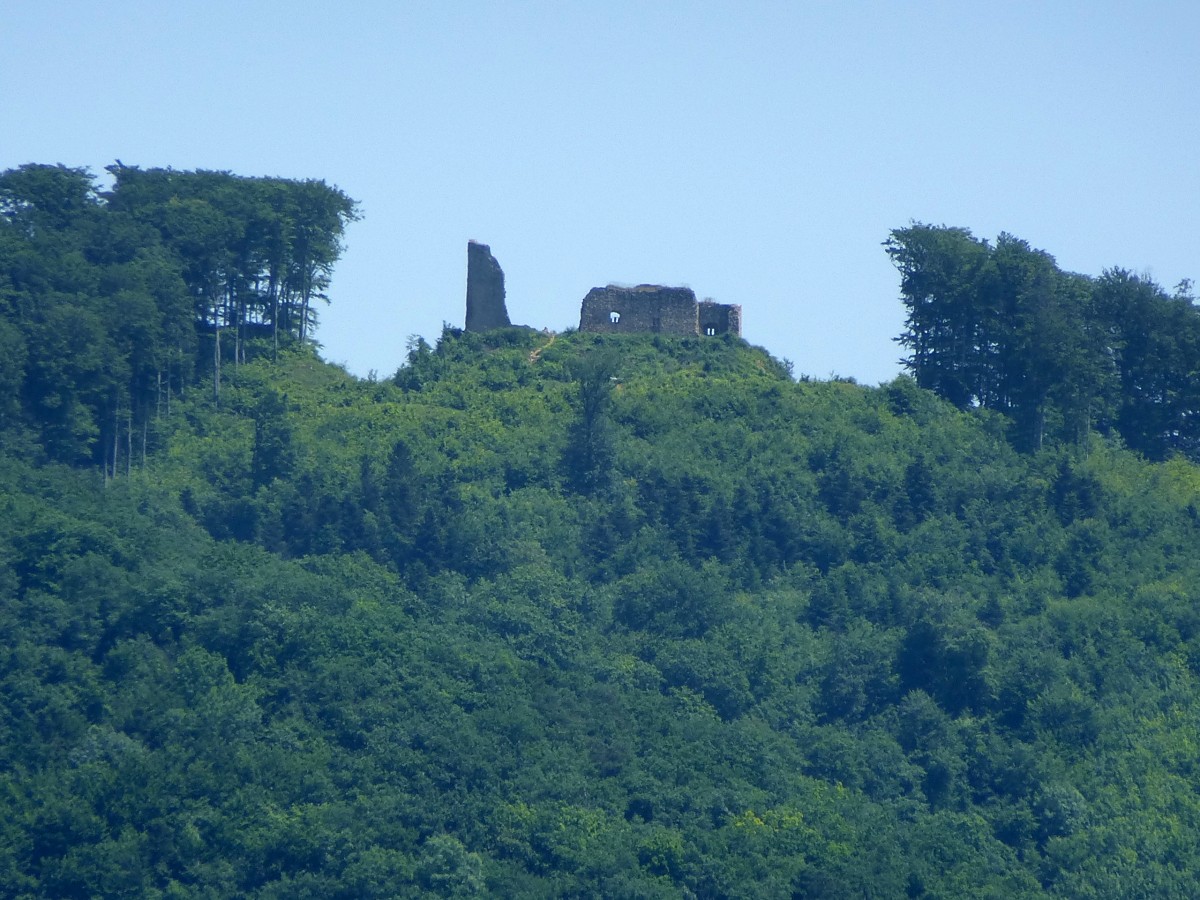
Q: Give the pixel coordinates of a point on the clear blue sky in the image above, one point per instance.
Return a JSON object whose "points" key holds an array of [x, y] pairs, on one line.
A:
{"points": [[758, 152]]}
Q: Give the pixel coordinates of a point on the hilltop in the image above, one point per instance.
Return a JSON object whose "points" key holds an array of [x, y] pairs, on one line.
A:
{"points": [[617, 615]]}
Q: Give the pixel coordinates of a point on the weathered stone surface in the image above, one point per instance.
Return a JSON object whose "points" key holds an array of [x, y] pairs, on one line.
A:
{"points": [[657, 309], [720, 318], [485, 290]]}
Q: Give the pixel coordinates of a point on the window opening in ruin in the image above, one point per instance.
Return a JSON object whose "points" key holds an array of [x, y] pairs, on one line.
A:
{"points": [[614, 317], [710, 330]]}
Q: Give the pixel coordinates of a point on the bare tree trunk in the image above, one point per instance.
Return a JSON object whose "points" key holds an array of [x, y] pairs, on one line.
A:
{"points": [[129, 442], [217, 364], [305, 294], [239, 317], [116, 450]]}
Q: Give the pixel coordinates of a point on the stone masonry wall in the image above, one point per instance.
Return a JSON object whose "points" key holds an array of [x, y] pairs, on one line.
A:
{"points": [[656, 309], [485, 290], [647, 307], [720, 318], [652, 308]]}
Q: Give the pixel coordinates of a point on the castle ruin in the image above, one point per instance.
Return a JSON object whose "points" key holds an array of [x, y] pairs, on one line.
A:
{"points": [[657, 309], [485, 290], [651, 308]]}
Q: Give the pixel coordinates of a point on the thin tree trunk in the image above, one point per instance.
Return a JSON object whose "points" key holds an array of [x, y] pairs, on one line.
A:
{"points": [[217, 364], [116, 440], [305, 293]]}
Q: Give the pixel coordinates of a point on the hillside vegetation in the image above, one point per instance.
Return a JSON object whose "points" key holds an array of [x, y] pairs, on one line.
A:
{"points": [[1001, 327], [621, 616]]}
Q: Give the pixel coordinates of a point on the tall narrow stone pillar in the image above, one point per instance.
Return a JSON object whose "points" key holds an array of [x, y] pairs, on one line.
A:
{"points": [[485, 290]]}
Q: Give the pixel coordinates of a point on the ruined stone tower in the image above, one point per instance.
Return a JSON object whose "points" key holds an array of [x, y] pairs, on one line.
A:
{"points": [[485, 290]]}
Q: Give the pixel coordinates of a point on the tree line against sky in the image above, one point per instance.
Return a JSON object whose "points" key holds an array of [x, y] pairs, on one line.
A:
{"points": [[114, 300]]}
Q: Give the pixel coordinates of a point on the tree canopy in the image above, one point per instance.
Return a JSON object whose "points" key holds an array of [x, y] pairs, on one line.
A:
{"points": [[113, 301], [1000, 326]]}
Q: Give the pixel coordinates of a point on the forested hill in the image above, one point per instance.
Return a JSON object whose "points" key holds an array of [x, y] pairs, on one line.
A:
{"points": [[614, 617], [581, 615]]}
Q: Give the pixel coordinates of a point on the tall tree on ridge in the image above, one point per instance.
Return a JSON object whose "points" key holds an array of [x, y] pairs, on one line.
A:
{"points": [[950, 321]]}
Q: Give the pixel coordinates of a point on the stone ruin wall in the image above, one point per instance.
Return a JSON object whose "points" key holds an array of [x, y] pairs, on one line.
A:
{"points": [[485, 290], [646, 308], [720, 318], [656, 309], [620, 310]]}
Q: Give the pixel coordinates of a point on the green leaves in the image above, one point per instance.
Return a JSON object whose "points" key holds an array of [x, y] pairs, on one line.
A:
{"points": [[1002, 327], [37, 197], [602, 616], [102, 298], [591, 453]]}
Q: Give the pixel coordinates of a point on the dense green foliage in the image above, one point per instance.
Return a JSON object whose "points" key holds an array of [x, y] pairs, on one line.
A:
{"points": [[593, 616], [1002, 327], [110, 303]]}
